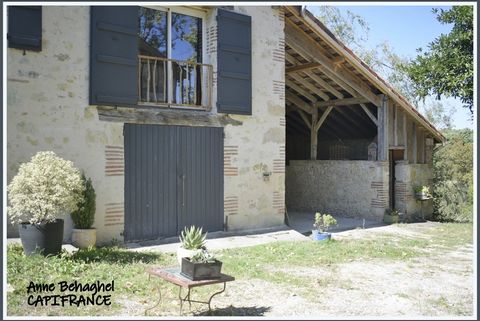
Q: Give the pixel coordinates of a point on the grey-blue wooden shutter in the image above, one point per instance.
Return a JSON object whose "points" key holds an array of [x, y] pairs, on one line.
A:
{"points": [[114, 55], [25, 27], [234, 63]]}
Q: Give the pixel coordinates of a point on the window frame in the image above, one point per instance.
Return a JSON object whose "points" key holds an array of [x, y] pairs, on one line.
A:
{"points": [[186, 11]]}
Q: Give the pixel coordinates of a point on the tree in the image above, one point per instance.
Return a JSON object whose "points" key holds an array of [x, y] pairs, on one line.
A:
{"points": [[453, 177], [353, 31], [439, 115], [446, 68]]}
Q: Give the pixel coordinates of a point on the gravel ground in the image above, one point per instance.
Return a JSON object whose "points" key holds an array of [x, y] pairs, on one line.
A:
{"points": [[440, 284]]}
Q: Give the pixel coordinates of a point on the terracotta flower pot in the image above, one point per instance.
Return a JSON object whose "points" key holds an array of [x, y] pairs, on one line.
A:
{"points": [[83, 238]]}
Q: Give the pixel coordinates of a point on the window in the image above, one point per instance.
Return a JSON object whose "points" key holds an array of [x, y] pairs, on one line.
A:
{"points": [[170, 47]]}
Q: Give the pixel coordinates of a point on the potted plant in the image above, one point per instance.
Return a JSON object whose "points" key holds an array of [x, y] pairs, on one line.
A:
{"points": [[422, 193], [192, 241], [43, 191], [201, 266], [391, 216], [83, 235], [321, 226]]}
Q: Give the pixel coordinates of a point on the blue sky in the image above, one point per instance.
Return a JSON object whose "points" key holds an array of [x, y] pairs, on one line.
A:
{"points": [[406, 28]]}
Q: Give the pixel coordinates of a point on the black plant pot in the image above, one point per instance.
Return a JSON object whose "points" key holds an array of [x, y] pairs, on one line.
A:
{"points": [[201, 271], [45, 238]]}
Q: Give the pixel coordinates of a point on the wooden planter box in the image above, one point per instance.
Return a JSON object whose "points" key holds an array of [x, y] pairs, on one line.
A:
{"points": [[201, 271]]}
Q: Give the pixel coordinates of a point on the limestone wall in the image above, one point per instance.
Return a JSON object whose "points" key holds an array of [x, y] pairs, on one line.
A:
{"points": [[258, 146], [47, 109], [408, 176], [338, 187]]}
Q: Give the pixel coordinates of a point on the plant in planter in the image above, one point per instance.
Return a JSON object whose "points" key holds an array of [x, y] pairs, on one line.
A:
{"points": [[391, 216], [201, 266], [192, 241], [321, 226], [44, 190], [83, 235], [422, 193]]}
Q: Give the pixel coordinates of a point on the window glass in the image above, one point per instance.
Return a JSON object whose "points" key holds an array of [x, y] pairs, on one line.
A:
{"points": [[186, 46], [153, 32]]}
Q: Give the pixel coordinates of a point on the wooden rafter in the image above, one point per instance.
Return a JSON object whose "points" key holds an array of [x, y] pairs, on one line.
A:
{"points": [[297, 68], [300, 90], [310, 86], [342, 102], [297, 39], [369, 114], [299, 103], [323, 118]]}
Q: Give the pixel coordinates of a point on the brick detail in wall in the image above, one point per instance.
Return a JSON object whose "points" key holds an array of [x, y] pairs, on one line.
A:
{"points": [[400, 191], [283, 121], [281, 15], [214, 78], [381, 199], [278, 54], [279, 89], [114, 214], [279, 163], [228, 153], [114, 164], [211, 40], [278, 203], [230, 205]]}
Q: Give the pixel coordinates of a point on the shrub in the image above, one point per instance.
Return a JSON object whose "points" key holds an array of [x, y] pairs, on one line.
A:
{"points": [[44, 189], [84, 216], [324, 221]]}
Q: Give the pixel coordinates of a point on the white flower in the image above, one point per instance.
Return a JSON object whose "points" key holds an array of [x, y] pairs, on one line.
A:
{"points": [[44, 189]]}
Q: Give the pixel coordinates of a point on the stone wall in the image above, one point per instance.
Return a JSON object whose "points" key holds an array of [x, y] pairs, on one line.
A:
{"points": [[47, 109], [258, 146], [408, 176], [339, 187]]}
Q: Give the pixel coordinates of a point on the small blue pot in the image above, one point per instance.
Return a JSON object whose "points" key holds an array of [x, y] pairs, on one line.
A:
{"points": [[317, 236]]}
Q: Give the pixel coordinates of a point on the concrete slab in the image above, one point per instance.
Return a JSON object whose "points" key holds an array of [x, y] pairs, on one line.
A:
{"points": [[225, 240], [302, 222]]}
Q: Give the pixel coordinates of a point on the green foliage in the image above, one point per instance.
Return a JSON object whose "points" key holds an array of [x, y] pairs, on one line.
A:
{"points": [[439, 115], [324, 221], [192, 238], [44, 189], [84, 216], [203, 257], [446, 67], [453, 177], [392, 212]]}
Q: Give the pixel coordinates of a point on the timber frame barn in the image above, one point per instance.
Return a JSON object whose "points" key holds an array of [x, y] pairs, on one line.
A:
{"points": [[223, 117]]}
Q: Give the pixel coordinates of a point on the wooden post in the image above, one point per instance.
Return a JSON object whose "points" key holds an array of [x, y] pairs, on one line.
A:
{"points": [[382, 128], [314, 134], [414, 143]]}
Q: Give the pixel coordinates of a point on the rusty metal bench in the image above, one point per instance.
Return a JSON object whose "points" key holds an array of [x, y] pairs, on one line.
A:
{"points": [[173, 276]]}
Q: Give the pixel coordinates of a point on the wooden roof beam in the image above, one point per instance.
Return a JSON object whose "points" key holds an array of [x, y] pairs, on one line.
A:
{"points": [[301, 91], [343, 102], [369, 114], [303, 44], [302, 67], [292, 98], [310, 86]]}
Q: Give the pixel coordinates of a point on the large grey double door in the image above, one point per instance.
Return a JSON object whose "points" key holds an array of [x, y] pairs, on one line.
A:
{"points": [[173, 179]]}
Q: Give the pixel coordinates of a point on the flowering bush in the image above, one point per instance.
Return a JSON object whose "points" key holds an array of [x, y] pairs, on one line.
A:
{"points": [[44, 189]]}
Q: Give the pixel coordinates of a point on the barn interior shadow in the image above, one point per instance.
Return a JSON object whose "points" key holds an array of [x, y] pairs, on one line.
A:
{"points": [[236, 311]]}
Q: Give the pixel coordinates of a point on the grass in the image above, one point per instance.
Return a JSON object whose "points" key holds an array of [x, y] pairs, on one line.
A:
{"points": [[271, 262]]}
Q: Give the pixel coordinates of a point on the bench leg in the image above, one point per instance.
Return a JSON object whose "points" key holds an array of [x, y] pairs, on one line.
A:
{"points": [[216, 293], [158, 302], [186, 298]]}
